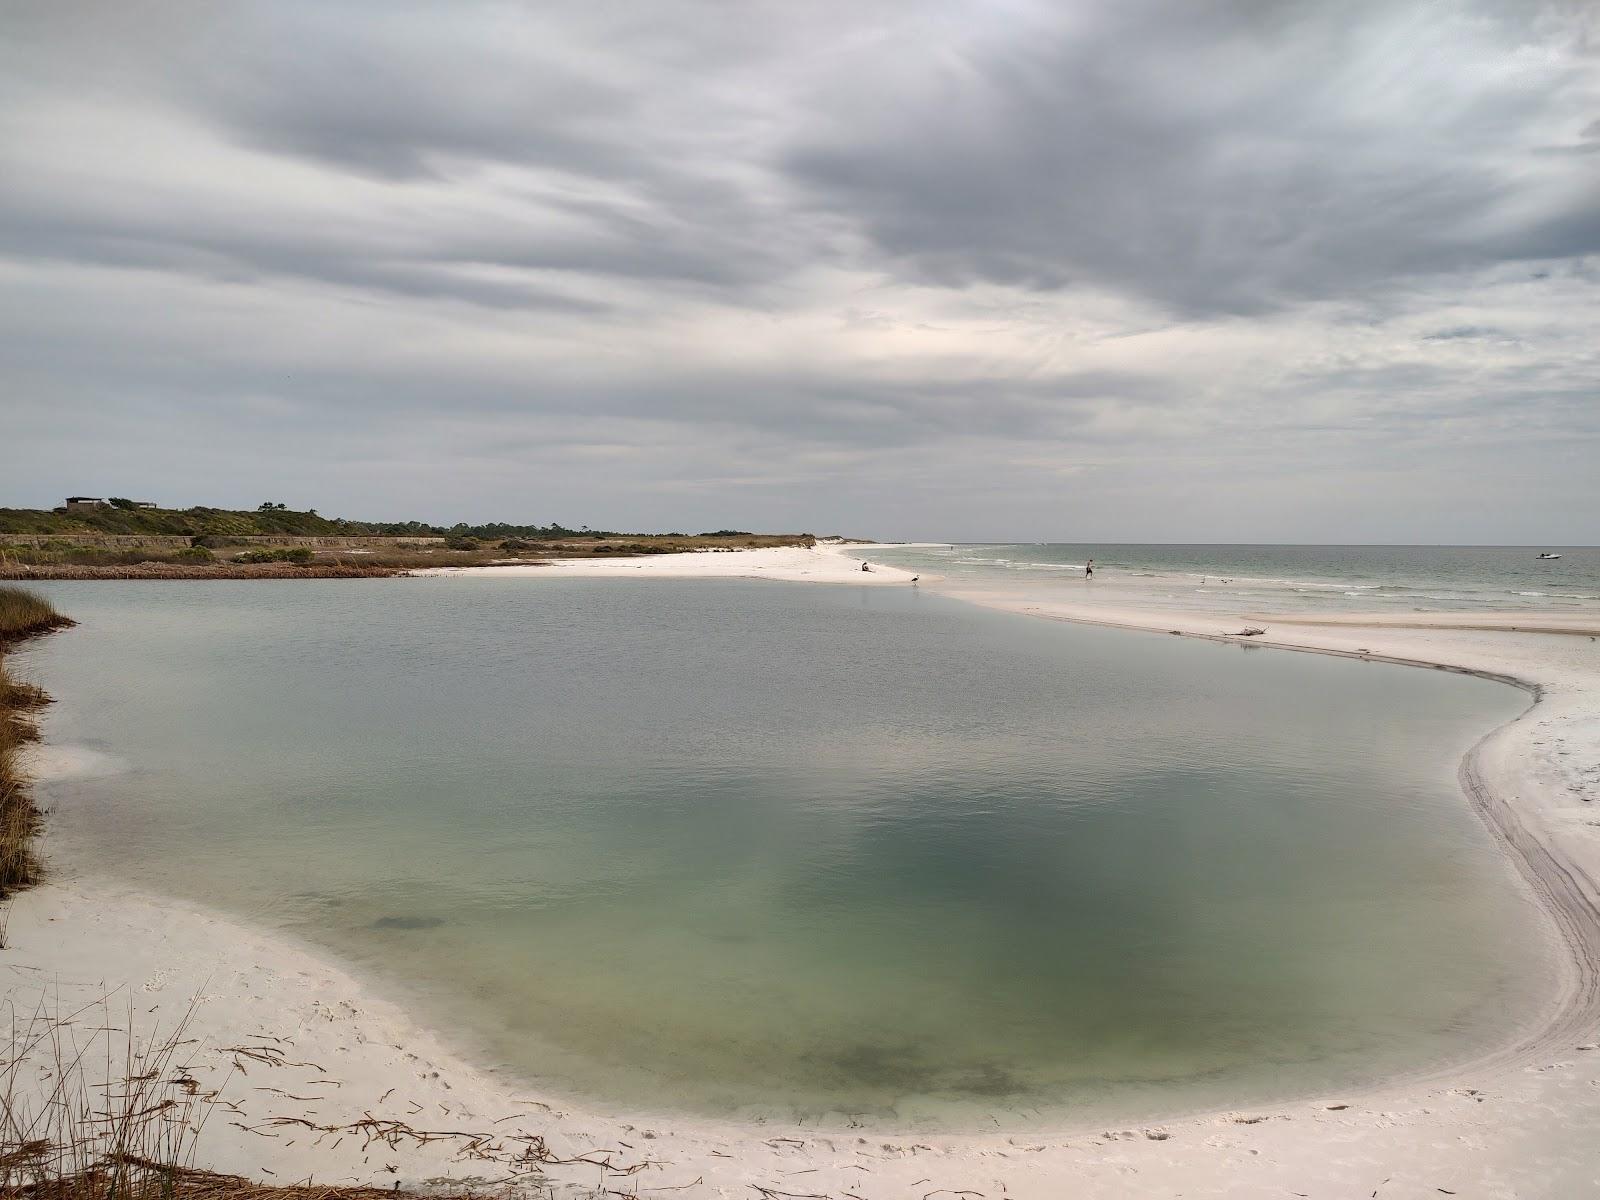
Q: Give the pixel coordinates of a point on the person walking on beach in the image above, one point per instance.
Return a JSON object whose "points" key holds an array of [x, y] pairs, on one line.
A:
{"points": [[1088, 569]]}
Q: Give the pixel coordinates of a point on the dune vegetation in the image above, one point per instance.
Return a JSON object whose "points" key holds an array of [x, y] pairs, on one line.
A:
{"points": [[117, 517], [94, 556], [22, 614], [127, 539]]}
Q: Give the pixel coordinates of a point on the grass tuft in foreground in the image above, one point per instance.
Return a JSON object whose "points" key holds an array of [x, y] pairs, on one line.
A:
{"points": [[122, 1137], [129, 1135], [94, 1108]]}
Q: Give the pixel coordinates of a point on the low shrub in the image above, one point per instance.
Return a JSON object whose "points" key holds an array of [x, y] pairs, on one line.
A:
{"points": [[278, 554]]}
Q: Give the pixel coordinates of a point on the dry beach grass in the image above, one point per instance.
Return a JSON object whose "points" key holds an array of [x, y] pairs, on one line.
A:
{"points": [[122, 1111], [92, 1107], [22, 614]]}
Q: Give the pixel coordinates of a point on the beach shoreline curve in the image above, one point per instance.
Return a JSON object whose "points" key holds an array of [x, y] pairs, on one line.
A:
{"points": [[1227, 1143]]}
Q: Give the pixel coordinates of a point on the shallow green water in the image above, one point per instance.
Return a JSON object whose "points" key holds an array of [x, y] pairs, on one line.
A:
{"points": [[785, 849]]}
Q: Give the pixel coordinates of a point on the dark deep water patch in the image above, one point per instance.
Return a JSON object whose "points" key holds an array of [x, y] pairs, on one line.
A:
{"points": [[404, 922]]}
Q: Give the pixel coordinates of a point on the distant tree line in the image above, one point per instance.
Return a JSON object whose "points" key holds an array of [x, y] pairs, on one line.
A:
{"points": [[270, 517], [495, 530], [121, 515]]}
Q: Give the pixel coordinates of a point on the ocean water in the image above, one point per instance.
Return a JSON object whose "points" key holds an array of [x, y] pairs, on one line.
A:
{"points": [[1289, 579], [800, 852]]}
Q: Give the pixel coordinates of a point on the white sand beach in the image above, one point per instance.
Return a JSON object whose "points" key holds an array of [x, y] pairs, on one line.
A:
{"points": [[318, 1077], [823, 563]]}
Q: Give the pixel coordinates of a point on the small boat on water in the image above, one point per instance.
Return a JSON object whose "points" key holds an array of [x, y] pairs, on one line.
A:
{"points": [[1547, 556]]}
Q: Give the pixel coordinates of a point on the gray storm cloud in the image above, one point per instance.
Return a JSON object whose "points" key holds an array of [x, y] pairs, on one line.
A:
{"points": [[1280, 270]]}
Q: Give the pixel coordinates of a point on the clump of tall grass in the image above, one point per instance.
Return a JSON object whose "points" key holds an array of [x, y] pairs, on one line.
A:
{"points": [[127, 1136], [16, 696], [94, 1108], [19, 816], [24, 613]]}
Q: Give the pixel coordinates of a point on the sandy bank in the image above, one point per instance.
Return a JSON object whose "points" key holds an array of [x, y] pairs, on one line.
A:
{"points": [[1518, 1123], [795, 564]]}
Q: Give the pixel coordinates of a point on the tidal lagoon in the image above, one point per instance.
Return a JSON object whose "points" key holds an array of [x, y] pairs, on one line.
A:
{"points": [[792, 851]]}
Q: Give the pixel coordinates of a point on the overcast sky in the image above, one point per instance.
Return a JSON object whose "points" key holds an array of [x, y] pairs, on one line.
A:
{"points": [[1275, 270]]}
